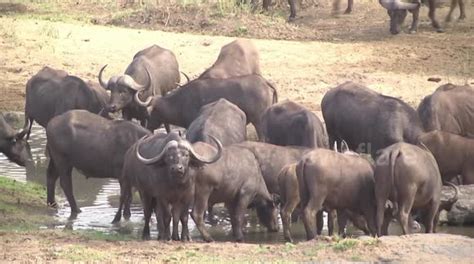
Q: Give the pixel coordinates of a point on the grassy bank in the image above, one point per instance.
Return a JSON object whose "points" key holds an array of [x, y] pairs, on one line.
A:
{"points": [[22, 206]]}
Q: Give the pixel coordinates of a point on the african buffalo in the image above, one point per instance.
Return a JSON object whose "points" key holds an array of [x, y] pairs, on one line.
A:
{"points": [[52, 92], [12, 143], [235, 180], [290, 199], [408, 176], [367, 120], [449, 109], [397, 11], [221, 119], [237, 58], [92, 144], [252, 94], [454, 154], [163, 167], [335, 181], [153, 71], [289, 123]]}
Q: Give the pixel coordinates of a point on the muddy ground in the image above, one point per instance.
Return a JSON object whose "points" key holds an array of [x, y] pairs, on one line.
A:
{"points": [[60, 246]]}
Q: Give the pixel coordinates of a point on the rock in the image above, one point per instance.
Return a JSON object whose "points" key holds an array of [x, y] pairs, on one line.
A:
{"points": [[462, 212]]}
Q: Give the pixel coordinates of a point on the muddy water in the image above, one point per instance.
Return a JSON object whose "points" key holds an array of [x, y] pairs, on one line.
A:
{"points": [[98, 200]]}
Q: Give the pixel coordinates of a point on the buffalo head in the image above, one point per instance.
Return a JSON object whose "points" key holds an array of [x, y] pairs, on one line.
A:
{"points": [[13, 144], [397, 10], [124, 89], [176, 154]]}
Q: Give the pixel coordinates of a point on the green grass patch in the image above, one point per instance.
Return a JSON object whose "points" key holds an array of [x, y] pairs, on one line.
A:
{"points": [[345, 244], [104, 236], [22, 205]]}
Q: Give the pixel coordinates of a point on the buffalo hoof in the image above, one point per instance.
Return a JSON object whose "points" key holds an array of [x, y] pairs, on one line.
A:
{"points": [[412, 31], [348, 11], [175, 238], [440, 30], [185, 238], [289, 239], [208, 239], [146, 237], [462, 17], [291, 19], [53, 205], [117, 218]]}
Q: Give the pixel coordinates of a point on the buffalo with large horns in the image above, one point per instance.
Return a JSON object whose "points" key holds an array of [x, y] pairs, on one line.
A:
{"points": [[153, 71], [163, 167]]}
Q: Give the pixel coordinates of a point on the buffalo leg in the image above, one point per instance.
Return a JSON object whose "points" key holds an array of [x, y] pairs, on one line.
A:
{"points": [[292, 4], [266, 4], [451, 9], [341, 223], [237, 215], [414, 23], [165, 220], [125, 201], [65, 180], [199, 208], [350, 3], [462, 11], [51, 178], [286, 211], [359, 222], [176, 212], [405, 208], [430, 219], [431, 14], [184, 223], [309, 213], [336, 6], [147, 204]]}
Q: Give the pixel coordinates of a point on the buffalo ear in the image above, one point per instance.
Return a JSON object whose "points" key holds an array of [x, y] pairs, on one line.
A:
{"points": [[344, 146]]}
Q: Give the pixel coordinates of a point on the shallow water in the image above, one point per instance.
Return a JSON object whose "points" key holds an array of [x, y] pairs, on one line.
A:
{"points": [[98, 200]]}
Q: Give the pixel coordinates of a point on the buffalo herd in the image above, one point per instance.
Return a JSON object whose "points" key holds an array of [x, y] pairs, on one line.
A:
{"points": [[379, 158]]}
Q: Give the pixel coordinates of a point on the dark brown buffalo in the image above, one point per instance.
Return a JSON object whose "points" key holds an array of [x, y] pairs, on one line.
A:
{"points": [[221, 119], [52, 92], [235, 180], [408, 177], [449, 109], [397, 10], [12, 143], [288, 123], [162, 168], [454, 155], [237, 58], [153, 71], [366, 120], [290, 199], [252, 94], [335, 181], [92, 144]]}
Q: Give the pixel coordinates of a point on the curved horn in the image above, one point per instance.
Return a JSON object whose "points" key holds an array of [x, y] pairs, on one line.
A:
{"points": [[172, 143], [456, 193], [130, 82], [397, 4], [102, 82], [204, 159], [139, 88], [185, 75]]}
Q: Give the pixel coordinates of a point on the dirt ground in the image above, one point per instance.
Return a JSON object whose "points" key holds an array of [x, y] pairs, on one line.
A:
{"points": [[356, 47], [61, 246]]}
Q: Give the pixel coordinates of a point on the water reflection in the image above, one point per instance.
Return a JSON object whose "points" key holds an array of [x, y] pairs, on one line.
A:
{"points": [[98, 200]]}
